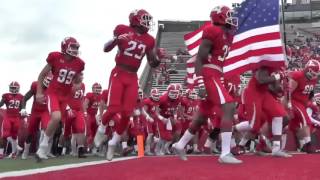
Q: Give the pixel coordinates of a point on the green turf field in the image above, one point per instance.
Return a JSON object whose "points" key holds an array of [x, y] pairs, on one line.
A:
{"points": [[19, 164]]}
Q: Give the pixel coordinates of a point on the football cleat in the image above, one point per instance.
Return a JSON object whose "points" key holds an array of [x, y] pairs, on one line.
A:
{"points": [[229, 159], [180, 152], [110, 152], [281, 153]]}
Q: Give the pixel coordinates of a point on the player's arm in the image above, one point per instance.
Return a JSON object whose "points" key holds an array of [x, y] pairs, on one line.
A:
{"points": [[101, 107], [153, 59], [77, 80], [85, 105], [41, 77], [26, 97], [203, 52], [1, 102], [108, 46]]}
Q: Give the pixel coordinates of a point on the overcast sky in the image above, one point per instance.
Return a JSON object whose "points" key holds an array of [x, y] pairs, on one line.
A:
{"points": [[30, 29]]}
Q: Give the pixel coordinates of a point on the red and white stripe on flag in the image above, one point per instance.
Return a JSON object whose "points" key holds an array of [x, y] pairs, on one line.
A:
{"points": [[193, 39], [253, 49]]}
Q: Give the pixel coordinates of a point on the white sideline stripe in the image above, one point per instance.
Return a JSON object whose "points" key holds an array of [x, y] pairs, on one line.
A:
{"points": [[59, 167]]}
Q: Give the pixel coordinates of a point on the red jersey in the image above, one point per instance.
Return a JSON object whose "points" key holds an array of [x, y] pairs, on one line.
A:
{"points": [[232, 84], [133, 48], [168, 107], [190, 106], [36, 106], [13, 103], [94, 100], [104, 95], [305, 86], [221, 42], [63, 72], [76, 101], [151, 106]]}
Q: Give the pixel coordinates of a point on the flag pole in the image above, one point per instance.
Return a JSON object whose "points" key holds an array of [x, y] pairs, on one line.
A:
{"points": [[287, 92], [284, 27]]}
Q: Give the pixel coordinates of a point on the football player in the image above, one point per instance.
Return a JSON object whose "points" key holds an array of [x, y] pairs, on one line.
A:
{"points": [[216, 40], [11, 121], [133, 42], [39, 114], [66, 68]]}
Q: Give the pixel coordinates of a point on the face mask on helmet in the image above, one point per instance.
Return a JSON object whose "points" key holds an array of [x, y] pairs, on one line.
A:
{"points": [[141, 19], [312, 69], [155, 94], [223, 15], [193, 95], [173, 94], [14, 87], [70, 46], [96, 88]]}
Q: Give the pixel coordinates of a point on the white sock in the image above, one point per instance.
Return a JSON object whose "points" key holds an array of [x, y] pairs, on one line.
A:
{"points": [[195, 147], [49, 146], [148, 143], [64, 150], [102, 128], [26, 148], [73, 144], [283, 141], [41, 136], [243, 141], [243, 126], [233, 143], [225, 143], [208, 143], [1, 151], [275, 146], [13, 144], [115, 139], [307, 139], [45, 140], [187, 136], [301, 142], [135, 147], [124, 144]]}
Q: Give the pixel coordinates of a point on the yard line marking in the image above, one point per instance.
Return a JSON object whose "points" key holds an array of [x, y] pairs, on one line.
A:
{"points": [[60, 167]]}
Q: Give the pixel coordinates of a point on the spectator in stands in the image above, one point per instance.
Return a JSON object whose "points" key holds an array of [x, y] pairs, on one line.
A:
{"points": [[172, 69]]}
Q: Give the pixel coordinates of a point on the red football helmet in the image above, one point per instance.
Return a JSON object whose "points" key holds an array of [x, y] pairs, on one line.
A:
{"points": [[173, 91], [14, 87], [96, 88], [223, 15], [155, 94], [46, 81], [316, 98], [312, 68], [142, 19], [70, 46], [191, 94]]}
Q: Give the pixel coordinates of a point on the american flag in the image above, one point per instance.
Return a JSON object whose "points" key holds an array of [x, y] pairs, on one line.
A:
{"points": [[193, 40], [257, 41]]}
